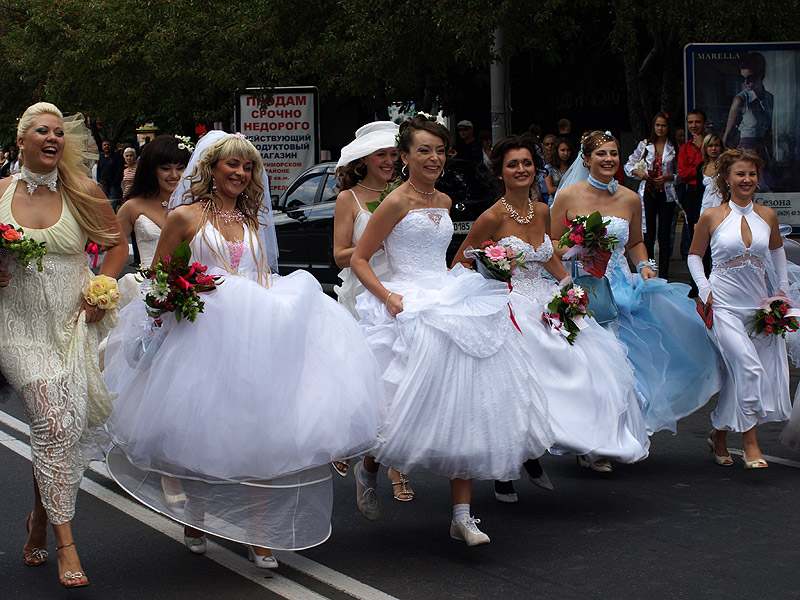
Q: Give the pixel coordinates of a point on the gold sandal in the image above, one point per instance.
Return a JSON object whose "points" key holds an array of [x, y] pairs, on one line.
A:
{"points": [[37, 556], [404, 494], [69, 578]]}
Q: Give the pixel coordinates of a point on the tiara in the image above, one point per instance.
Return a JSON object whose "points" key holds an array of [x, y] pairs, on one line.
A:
{"points": [[603, 139]]}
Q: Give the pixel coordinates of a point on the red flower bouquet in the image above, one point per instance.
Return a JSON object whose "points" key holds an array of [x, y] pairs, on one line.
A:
{"points": [[17, 249], [775, 316], [566, 310], [587, 237]]}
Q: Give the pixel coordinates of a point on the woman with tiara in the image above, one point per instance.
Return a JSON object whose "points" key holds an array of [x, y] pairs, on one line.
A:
{"points": [[463, 402], [364, 170], [227, 424], [594, 411], [676, 367]]}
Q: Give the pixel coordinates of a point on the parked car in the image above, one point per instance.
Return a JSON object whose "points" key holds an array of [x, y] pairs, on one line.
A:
{"points": [[304, 215]]}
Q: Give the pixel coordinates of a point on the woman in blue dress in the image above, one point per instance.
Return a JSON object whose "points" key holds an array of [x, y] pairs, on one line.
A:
{"points": [[676, 368]]}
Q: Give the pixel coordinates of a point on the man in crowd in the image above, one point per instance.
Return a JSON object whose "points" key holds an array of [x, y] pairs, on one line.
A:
{"points": [[467, 147], [689, 158], [110, 168]]}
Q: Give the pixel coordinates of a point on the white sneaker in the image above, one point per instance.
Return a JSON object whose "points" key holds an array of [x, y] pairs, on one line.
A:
{"points": [[367, 497], [467, 531]]}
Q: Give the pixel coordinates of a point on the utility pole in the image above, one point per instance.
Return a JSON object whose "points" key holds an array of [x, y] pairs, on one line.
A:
{"points": [[498, 79]]}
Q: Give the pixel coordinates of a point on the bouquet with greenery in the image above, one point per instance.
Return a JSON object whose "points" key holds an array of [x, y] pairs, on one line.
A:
{"points": [[775, 316], [17, 249], [566, 310], [587, 237], [495, 261]]}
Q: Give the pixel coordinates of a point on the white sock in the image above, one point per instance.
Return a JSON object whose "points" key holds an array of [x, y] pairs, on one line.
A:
{"points": [[366, 478], [460, 512]]}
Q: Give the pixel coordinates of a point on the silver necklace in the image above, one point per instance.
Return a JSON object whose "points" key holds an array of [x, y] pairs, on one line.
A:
{"points": [[372, 189], [515, 215], [34, 180], [419, 191], [228, 216]]}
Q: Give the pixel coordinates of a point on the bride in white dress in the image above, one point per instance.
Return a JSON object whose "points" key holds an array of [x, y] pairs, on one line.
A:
{"points": [[462, 400], [590, 386], [744, 236], [145, 211], [246, 406]]}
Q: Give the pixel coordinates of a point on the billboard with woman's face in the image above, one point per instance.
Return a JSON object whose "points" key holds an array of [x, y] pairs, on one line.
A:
{"points": [[749, 95]]}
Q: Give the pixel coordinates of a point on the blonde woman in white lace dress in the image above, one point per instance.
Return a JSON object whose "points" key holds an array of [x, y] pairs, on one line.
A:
{"points": [[49, 333]]}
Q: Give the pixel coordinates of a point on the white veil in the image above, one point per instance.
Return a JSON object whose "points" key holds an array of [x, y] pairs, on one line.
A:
{"points": [[266, 223], [577, 172]]}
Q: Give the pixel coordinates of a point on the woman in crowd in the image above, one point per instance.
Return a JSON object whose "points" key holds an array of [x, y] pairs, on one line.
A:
{"points": [[656, 190], [441, 338], [364, 170], [706, 172], [129, 155], [676, 368], [591, 390], [245, 407], [751, 109], [144, 213], [562, 159], [744, 236], [50, 333]]}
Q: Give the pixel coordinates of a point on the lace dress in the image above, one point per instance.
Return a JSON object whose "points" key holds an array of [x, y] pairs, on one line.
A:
{"points": [[246, 406], [677, 369], [755, 388], [351, 287], [147, 235], [463, 400], [50, 360], [590, 387]]}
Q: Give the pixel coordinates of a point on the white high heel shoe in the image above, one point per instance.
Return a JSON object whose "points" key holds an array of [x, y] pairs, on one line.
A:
{"points": [[262, 562], [197, 545]]}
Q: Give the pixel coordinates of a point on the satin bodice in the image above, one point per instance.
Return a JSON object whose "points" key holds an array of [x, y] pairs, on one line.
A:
{"points": [[147, 234], [210, 248], [530, 281], [417, 246], [728, 250]]}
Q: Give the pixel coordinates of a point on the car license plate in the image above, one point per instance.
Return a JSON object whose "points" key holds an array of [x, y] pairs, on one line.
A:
{"points": [[462, 226]]}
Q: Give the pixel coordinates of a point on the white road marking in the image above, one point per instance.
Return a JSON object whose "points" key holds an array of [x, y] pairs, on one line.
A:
{"points": [[221, 555]]}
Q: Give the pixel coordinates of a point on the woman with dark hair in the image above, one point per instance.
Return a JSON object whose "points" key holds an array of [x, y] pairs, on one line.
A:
{"points": [[590, 385], [751, 109], [563, 155], [463, 400], [744, 238], [657, 189]]}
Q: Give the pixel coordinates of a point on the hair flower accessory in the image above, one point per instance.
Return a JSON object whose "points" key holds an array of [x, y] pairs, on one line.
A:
{"points": [[239, 135], [431, 117], [185, 143]]}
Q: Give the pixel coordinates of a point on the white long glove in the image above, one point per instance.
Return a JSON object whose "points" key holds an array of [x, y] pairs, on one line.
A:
{"points": [[779, 260], [695, 263]]}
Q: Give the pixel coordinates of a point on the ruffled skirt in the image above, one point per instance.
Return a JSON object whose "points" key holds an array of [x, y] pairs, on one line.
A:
{"points": [[463, 400], [351, 286]]}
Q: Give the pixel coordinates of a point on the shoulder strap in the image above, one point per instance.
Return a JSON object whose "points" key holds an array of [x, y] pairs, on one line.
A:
{"points": [[358, 202]]}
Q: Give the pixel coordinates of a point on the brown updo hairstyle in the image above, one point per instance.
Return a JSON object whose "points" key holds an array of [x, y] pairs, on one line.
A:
{"points": [[726, 160], [422, 123], [501, 148], [592, 140]]}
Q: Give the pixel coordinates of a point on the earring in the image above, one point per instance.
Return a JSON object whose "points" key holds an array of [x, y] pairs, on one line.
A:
{"points": [[244, 197], [213, 186], [442, 173], [404, 171]]}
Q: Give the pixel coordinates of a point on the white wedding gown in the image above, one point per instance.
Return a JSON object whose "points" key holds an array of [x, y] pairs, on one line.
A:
{"points": [[147, 235], [463, 400], [246, 406], [590, 386]]}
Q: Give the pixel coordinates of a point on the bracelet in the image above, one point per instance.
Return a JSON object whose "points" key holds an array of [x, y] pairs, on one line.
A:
{"points": [[646, 263], [387, 298], [102, 292]]}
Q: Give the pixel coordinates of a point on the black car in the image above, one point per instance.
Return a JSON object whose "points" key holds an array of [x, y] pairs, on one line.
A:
{"points": [[304, 215]]}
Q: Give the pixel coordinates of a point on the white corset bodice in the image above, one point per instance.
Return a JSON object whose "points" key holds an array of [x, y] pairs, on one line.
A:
{"points": [[530, 281], [727, 247], [147, 234], [417, 246], [210, 248]]}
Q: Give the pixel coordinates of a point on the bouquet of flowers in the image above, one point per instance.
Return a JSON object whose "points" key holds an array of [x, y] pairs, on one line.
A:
{"points": [[566, 310], [588, 238], [95, 253], [16, 249], [775, 316], [495, 261], [102, 292], [175, 285]]}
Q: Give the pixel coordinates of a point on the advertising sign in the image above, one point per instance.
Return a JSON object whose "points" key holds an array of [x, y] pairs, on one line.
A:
{"points": [[285, 130], [750, 97]]}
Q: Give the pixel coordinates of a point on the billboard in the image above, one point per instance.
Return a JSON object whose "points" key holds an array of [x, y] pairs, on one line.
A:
{"points": [[285, 130], [749, 95]]}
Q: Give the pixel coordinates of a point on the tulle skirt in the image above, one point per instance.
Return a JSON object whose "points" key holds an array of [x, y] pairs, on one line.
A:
{"points": [[242, 406], [590, 388], [463, 400], [351, 286], [677, 369]]}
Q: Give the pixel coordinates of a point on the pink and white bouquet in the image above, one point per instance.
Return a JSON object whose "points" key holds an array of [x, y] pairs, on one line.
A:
{"points": [[566, 310], [775, 316], [587, 237], [496, 261], [17, 249]]}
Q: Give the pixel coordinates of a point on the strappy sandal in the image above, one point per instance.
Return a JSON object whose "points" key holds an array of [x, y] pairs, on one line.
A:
{"points": [[37, 556], [341, 467], [404, 494], [68, 578]]}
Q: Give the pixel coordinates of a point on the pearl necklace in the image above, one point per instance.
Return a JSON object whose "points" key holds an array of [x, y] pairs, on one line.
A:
{"points": [[515, 215], [359, 184], [34, 180], [419, 191]]}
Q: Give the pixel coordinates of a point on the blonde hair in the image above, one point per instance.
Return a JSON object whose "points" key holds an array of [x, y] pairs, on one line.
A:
{"points": [[724, 163], [86, 208], [249, 201], [711, 137]]}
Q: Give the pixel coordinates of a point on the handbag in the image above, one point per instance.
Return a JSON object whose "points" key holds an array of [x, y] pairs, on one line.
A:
{"points": [[641, 164], [602, 302]]}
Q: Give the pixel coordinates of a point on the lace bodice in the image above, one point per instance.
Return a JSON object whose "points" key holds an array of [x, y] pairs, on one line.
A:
{"points": [[147, 234], [530, 281], [727, 246], [211, 249], [417, 245]]}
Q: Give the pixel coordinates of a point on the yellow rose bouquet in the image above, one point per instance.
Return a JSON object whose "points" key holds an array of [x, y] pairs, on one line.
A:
{"points": [[102, 292]]}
